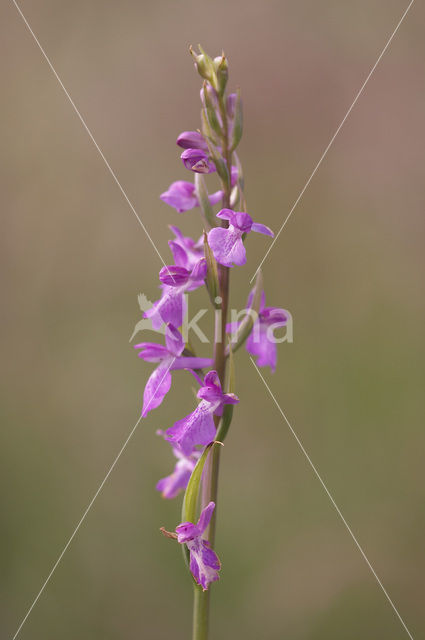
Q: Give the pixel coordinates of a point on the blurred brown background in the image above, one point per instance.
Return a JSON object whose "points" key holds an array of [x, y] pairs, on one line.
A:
{"points": [[349, 266]]}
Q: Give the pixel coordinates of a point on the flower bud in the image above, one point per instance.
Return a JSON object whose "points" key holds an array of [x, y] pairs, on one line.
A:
{"points": [[204, 65], [197, 160], [222, 72], [192, 140]]}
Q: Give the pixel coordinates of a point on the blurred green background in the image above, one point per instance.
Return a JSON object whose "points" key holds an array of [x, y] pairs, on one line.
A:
{"points": [[349, 266]]}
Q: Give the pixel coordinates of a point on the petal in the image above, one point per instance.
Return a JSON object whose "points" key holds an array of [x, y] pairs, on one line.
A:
{"points": [[230, 398], [174, 340], [186, 362], [274, 316], [212, 379], [174, 275], [204, 563], [180, 195], [211, 389], [177, 481], [242, 221], [151, 352], [261, 228], [215, 197], [259, 345], [186, 531], [197, 160], [157, 387], [226, 214], [239, 219], [168, 309], [196, 428], [192, 140], [179, 254], [227, 246], [205, 517], [199, 271]]}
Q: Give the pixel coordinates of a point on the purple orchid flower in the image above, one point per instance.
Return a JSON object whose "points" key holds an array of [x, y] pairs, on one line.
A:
{"points": [[260, 342], [197, 160], [171, 485], [169, 359], [226, 243], [192, 140], [176, 280], [198, 427], [204, 562], [181, 195]]}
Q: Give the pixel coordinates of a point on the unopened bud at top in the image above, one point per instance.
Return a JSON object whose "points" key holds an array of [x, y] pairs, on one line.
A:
{"points": [[204, 65]]}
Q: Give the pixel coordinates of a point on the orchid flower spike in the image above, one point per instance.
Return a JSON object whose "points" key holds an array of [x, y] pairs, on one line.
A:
{"points": [[226, 243]]}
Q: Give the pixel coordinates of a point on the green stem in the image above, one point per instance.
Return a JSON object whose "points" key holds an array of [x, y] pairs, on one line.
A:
{"points": [[201, 600], [200, 614]]}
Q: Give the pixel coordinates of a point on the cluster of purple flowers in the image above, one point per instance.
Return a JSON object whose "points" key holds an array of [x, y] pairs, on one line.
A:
{"points": [[196, 264]]}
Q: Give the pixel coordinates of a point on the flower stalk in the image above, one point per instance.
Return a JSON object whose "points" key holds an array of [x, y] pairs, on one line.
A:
{"points": [[206, 262]]}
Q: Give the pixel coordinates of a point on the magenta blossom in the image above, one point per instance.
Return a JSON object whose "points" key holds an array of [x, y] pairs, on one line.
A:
{"points": [[181, 195], [261, 342], [177, 481], [197, 160], [226, 243], [176, 281], [169, 358], [198, 427], [204, 562]]}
